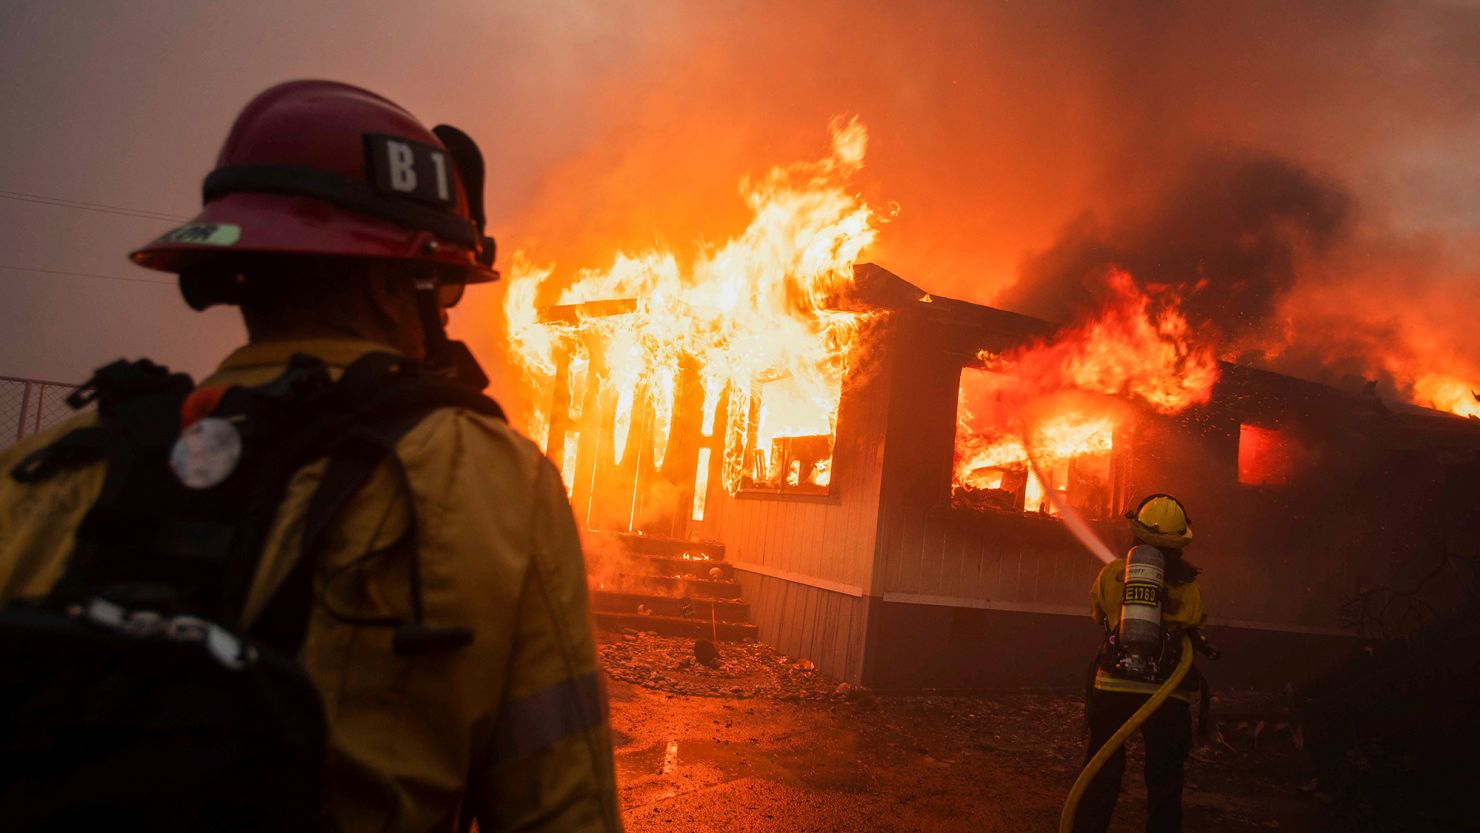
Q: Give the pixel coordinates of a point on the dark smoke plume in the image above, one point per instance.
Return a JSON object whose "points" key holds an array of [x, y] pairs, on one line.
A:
{"points": [[992, 126], [1228, 237]]}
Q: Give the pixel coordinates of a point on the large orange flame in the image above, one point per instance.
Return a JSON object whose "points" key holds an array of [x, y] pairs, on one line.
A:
{"points": [[1447, 393], [1060, 400], [1134, 346], [749, 315]]}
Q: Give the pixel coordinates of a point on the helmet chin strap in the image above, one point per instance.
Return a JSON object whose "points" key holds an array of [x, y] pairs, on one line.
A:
{"points": [[444, 357]]}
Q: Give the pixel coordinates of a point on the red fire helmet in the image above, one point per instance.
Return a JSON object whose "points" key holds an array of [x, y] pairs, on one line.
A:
{"points": [[323, 168]]}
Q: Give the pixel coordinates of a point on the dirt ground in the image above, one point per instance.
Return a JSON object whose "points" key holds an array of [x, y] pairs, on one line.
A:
{"points": [[763, 743]]}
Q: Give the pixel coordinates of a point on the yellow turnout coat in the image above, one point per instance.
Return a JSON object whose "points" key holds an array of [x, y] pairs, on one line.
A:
{"points": [[513, 726]]}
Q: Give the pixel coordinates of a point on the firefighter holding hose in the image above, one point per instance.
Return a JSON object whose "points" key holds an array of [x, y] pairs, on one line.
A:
{"points": [[1148, 602]]}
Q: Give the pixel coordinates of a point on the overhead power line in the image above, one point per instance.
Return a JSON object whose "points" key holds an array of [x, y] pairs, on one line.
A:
{"points": [[85, 275], [42, 199]]}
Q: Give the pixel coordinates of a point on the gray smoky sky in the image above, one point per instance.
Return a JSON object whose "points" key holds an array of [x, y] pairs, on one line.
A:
{"points": [[1018, 140], [125, 104]]}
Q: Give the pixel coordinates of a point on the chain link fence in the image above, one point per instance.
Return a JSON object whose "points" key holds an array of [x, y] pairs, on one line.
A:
{"points": [[29, 406]]}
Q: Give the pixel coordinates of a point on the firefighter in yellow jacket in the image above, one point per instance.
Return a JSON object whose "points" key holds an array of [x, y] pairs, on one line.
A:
{"points": [[341, 226], [1161, 522]]}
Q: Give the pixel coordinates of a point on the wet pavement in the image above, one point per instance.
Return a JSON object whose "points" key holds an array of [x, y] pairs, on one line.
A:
{"points": [[904, 763]]}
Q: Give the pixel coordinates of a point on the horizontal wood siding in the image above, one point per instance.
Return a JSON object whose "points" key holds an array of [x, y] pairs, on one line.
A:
{"points": [[929, 548], [810, 623], [1285, 557], [814, 541], [1020, 560], [914, 646]]}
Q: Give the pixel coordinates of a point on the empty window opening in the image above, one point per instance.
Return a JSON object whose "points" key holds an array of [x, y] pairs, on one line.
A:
{"points": [[795, 426], [1073, 447]]}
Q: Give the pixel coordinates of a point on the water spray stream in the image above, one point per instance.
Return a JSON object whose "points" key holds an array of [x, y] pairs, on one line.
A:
{"points": [[1068, 514]]}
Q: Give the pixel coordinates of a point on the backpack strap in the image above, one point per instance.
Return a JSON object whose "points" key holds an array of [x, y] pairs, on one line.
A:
{"points": [[389, 396], [73, 449], [283, 621], [213, 545], [138, 420], [148, 538], [137, 402]]}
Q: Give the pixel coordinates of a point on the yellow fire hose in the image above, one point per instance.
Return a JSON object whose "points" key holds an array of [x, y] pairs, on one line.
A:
{"points": [[1091, 769]]}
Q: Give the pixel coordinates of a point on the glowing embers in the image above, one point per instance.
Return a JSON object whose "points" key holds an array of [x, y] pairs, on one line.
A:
{"points": [[795, 427], [1071, 440], [1266, 457]]}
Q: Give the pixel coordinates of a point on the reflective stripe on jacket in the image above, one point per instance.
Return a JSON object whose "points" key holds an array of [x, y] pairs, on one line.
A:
{"points": [[1183, 612], [513, 726]]}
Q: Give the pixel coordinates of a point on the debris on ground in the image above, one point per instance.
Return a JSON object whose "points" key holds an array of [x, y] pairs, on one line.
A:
{"points": [[753, 726], [948, 763], [708, 669]]}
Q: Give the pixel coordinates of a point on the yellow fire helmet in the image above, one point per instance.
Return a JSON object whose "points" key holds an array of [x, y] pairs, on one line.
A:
{"points": [[1161, 521]]}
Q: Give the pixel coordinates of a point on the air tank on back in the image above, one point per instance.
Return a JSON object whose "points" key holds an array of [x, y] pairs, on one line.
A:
{"points": [[1140, 612]]}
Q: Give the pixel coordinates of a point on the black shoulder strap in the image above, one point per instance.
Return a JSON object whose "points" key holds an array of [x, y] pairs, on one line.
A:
{"points": [[137, 402], [151, 538], [71, 450], [390, 397], [138, 420], [384, 387], [144, 520]]}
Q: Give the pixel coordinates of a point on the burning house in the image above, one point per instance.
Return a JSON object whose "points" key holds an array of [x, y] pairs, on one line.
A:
{"points": [[894, 546], [882, 481]]}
